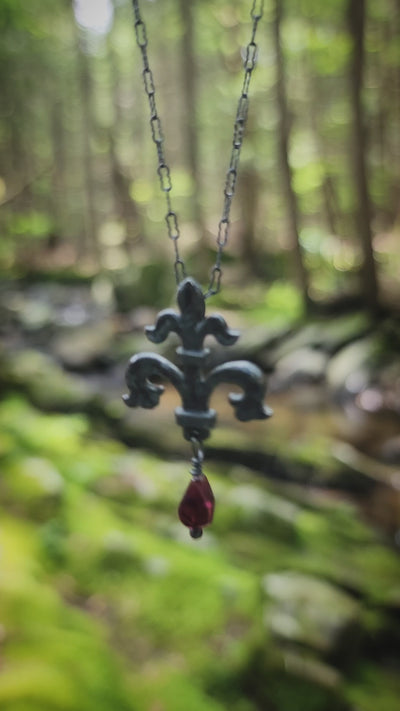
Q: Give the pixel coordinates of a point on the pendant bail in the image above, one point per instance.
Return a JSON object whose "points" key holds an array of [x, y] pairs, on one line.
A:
{"points": [[197, 459]]}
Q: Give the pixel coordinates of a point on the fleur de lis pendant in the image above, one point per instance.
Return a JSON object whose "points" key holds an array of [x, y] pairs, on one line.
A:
{"points": [[195, 388]]}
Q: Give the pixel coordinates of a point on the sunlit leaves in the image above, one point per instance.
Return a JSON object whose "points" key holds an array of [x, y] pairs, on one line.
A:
{"points": [[329, 50], [36, 225]]}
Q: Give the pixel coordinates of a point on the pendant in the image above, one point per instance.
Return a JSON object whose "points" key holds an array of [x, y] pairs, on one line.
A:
{"points": [[195, 388]]}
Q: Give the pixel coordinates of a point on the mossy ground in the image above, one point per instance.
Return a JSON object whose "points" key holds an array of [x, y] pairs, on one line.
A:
{"points": [[106, 603]]}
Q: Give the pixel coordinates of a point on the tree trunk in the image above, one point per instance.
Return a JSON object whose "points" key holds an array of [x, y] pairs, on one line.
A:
{"points": [[189, 80], [356, 23], [58, 174], [283, 140], [92, 246], [124, 205], [328, 188], [249, 189]]}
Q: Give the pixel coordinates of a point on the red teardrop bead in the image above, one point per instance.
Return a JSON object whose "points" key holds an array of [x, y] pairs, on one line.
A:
{"points": [[197, 506]]}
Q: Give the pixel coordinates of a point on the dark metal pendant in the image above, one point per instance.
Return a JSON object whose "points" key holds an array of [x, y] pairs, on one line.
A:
{"points": [[195, 388]]}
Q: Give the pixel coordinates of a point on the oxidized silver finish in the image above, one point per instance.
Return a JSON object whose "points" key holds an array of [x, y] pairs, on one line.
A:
{"points": [[194, 387]]}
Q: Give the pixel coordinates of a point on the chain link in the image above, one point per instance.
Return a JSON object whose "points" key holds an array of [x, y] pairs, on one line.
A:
{"points": [[163, 170], [157, 136], [249, 63]]}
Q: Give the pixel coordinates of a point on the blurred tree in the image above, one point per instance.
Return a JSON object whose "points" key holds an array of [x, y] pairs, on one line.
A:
{"points": [[331, 206], [76, 155], [249, 188], [125, 205], [190, 101], [284, 129], [91, 246], [356, 23], [59, 188]]}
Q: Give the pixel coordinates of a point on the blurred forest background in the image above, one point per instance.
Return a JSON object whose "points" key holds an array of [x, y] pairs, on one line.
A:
{"points": [[291, 601]]}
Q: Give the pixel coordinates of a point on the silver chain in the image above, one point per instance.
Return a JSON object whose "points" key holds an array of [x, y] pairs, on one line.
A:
{"points": [[157, 135], [163, 170]]}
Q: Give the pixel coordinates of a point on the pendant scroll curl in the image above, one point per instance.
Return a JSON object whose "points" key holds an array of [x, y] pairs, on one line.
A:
{"points": [[249, 405], [142, 368], [195, 388]]}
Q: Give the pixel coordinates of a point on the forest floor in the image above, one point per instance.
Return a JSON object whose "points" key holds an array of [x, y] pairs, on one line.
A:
{"points": [[291, 600]]}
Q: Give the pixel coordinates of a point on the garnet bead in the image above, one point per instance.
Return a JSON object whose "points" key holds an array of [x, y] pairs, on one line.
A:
{"points": [[197, 506]]}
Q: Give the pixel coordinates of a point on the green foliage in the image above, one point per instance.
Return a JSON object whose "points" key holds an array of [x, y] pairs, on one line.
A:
{"points": [[93, 561], [105, 603], [77, 152], [35, 225], [75, 669], [371, 685], [90, 550], [281, 305]]}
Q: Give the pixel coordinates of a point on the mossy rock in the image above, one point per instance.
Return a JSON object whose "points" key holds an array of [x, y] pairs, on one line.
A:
{"points": [[53, 659], [327, 335], [304, 365], [280, 680], [312, 612], [183, 614], [291, 687], [148, 285], [338, 546], [32, 486], [45, 383], [357, 358], [253, 509], [373, 689], [85, 347]]}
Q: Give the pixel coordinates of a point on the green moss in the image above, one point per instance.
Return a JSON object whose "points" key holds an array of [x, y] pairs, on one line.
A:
{"points": [[55, 656], [312, 452], [374, 690], [45, 383], [173, 691], [340, 547], [106, 564]]}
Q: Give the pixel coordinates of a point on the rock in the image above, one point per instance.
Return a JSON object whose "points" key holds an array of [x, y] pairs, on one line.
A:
{"points": [[37, 306], [306, 337], [305, 666], [309, 459], [360, 472], [373, 688], [127, 483], [150, 285], [308, 611], [84, 347], [350, 368], [256, 509], [294, 680], [45, 383], [35, 315], [33, 486], [141, 317], [337, 545], [117, 552], [336, 333], [328, 335], [144, 428], [254, 343], [305, 365], [127, 345], [390, 450]]}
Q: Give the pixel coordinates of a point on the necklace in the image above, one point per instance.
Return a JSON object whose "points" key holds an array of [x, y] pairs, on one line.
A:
{"points": [[196, 509]]}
